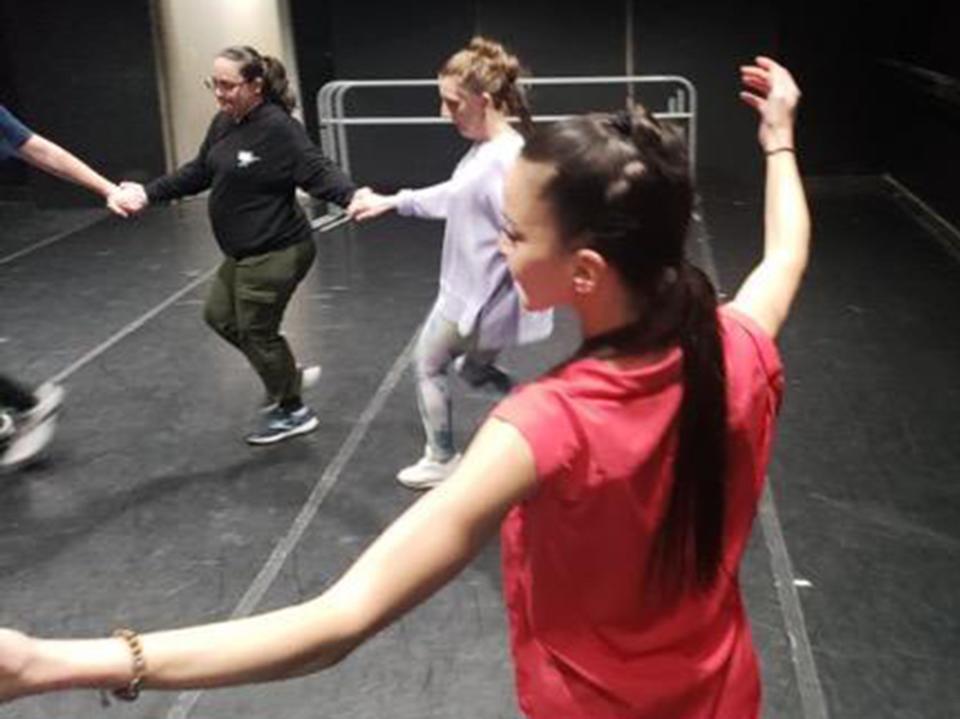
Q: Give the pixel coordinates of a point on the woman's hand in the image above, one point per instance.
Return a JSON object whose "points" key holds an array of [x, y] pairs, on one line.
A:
{"points": [[15, 656], [772, 92], [768, 292], [129, 198], [367, 204]]}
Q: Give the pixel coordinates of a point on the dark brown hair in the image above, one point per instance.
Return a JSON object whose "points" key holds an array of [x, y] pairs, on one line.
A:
{"points": [[253, 65], [622, 186]]}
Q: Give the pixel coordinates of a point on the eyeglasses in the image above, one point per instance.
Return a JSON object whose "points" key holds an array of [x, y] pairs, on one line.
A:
{"points": [[214, 85]]}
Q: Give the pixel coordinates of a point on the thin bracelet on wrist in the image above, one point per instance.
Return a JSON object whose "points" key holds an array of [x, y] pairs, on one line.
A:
{"points": [[779, 149], [131, 691]]}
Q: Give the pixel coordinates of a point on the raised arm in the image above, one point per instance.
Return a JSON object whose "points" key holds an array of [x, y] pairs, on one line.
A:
{"points": [[768, 292], [422, 550]]}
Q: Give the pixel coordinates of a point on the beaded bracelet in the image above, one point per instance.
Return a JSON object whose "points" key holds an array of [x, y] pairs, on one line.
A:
{"points": [[132, 690], [779, 149]]}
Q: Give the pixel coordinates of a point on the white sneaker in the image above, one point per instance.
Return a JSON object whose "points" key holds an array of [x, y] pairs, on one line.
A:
{"points": [[49, 397], [427, 472], [7, 428], [28, 444]]}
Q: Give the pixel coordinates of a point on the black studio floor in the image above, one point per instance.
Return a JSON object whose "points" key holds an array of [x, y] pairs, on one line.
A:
{"points": [[151, 512]]}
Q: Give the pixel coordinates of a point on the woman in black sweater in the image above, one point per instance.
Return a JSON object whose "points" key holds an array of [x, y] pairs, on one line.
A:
{"points": [[252, 159]]}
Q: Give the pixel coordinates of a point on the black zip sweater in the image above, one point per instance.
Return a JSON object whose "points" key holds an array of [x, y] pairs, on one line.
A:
{"points": [[252, 168]]}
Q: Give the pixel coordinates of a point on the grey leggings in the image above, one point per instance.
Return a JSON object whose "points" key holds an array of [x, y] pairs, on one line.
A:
{"points": [[440, 345]]}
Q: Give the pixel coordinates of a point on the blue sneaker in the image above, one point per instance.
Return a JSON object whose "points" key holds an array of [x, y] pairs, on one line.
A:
{"points": [[279, 424], [309, 376]]}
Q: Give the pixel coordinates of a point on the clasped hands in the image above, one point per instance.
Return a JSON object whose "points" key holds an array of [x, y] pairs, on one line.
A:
{"points": [[130, 198], [127, 198], [367, 204]]}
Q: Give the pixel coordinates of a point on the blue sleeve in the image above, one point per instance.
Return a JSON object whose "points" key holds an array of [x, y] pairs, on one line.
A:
{"points": [[13, 133]]}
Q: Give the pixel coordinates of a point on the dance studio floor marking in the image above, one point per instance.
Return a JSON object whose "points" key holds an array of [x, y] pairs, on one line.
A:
{"points": [[131, 327], [271, 568], [40, 244], [808, 679], [186, 701]]}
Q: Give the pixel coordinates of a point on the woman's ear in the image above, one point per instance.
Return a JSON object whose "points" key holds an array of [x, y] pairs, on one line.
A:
{"points": [[589, 268]]}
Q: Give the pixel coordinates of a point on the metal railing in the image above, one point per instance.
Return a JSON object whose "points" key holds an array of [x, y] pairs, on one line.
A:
{"points": [[333, 119]]}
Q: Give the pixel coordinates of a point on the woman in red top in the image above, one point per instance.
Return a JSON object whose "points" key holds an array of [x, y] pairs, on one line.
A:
{"points": [[625, 480]]}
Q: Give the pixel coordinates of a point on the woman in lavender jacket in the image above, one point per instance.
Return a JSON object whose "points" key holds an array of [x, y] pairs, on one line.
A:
{"points": [[478, 310]]}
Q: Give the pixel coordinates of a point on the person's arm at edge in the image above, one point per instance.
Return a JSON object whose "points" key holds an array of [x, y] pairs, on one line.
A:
{"points": [[52, 158], [421, 551]]}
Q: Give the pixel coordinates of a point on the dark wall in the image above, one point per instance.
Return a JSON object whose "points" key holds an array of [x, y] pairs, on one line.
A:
{"points": [[706, 43], [314, 46], [12, 174], [880, 87], [882, 92], [563, 40], [920, 108], [833, 51], [385, 40], [924, 141], [555, 38], [84, 77], [388, 40]]}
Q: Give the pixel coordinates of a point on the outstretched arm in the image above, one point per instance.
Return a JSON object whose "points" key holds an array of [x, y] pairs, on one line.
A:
{"points": [[50, 157], [367, 204], [426, 203], [429, 203], [422, 550], [768, 292]]}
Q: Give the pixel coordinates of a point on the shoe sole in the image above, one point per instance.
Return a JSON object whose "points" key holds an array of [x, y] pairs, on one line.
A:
{"points": [[48, 405], [420, 484], [412, 483], [15, 457], [305, 428]]}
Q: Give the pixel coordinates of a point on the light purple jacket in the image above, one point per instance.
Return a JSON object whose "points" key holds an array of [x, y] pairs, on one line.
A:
{"points": [[476, 290]]}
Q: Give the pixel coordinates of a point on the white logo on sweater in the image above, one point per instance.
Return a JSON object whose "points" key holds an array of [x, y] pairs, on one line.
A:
{"points": [[245, 158]]}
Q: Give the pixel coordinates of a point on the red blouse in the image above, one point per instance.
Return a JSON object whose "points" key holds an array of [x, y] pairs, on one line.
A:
{"points": [[588, 641]]}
